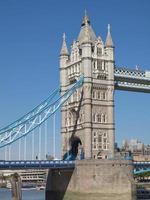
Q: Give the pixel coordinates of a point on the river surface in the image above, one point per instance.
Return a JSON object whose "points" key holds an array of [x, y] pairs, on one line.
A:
{"points": [[5, 194]]}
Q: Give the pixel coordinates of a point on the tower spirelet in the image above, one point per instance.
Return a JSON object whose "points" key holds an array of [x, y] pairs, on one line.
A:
{"points": [[64, 49], [85, 19], [109, 41]]}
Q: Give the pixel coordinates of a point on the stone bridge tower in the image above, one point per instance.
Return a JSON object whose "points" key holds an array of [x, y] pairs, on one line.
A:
{"points": [[89, 113]]}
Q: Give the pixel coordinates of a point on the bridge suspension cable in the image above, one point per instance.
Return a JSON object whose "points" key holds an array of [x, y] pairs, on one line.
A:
{"points": [[29, 122], [32, 155], [45, 129], [33, 112], [54, 153]]}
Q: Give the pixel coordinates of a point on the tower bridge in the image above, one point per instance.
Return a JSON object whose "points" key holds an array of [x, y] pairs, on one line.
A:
{"points": [[88, 81]]}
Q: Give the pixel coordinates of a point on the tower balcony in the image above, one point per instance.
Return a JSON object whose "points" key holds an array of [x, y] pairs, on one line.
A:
{"points": [[73, 105], [72, 127], [74, 76], [100, 74]]}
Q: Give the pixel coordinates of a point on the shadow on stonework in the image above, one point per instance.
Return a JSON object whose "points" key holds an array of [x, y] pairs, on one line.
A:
{"points": [[57, 183]]}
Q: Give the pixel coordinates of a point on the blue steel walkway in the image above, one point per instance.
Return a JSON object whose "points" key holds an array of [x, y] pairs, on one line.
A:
{"points": [[139, 167], [36, 164]]}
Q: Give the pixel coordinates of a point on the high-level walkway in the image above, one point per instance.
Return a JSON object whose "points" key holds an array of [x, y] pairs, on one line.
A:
{"points": [[132, 80]]}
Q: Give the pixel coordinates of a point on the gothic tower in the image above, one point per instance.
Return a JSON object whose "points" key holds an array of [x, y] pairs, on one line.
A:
{"points": [[89, 113]]}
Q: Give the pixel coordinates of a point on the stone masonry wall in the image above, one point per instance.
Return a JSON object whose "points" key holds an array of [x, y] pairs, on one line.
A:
{"points": [[95, 179]]}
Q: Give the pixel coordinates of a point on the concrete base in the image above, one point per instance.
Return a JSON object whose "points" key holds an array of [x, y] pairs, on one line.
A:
{"points": [[92, 180]]}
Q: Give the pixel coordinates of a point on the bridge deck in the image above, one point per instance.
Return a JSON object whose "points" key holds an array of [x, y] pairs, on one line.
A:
{"points": [[36, 164], [57, 164]]}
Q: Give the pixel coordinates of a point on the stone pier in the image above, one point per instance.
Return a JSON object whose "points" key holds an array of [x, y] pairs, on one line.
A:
{"points": [[92, 180]]}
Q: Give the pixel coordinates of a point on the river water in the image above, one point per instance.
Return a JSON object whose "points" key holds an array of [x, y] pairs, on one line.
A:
{"points": [[5, 194]]}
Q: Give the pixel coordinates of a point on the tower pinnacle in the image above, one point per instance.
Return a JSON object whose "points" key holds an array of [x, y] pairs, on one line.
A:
{"points": [[64, 49], [85, 19], [109, 41]]}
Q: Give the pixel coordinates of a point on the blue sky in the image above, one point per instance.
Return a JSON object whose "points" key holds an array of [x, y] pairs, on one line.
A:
{"points": [[30, 40]]}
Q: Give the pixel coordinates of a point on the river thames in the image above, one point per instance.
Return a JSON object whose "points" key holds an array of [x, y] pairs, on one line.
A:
{"points": [[5, 194]]}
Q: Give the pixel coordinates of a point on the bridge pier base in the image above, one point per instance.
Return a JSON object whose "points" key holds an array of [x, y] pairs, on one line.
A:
{"points": [[92, 180]]}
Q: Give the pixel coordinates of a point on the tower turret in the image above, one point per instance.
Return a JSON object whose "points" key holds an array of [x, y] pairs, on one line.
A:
{"points": [[64, 56], [109, 46], [64, 49], [109, 41]]}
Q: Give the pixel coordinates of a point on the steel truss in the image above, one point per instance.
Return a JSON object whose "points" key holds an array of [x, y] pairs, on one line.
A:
{"points": [[36, 117]]}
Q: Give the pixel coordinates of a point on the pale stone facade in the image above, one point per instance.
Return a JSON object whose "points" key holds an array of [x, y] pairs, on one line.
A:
{"points": [[89, 113], [92, 180]]}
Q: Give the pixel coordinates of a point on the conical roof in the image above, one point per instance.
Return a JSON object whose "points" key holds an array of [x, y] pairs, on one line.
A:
{"points": [[64, 49], [86, 31], [109, 41]]}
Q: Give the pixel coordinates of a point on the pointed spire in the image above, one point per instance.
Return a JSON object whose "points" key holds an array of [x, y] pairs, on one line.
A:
{"points": [[109, 41], [64, 49], [85, 19]]}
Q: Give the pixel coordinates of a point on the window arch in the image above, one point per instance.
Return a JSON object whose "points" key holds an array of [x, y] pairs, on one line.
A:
{"points": [[98, 95], [99, 118], [99, 51], [103, 95], [94, 117], [103, 118], [94, 64], [94, 94]]}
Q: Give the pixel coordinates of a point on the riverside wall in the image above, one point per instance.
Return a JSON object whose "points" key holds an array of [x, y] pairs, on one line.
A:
{"points": [[92, 180]]}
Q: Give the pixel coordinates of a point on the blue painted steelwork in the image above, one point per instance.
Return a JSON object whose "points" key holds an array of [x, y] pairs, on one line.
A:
{"points": [[132, 80], [58, 164], [36, 164], [141, 171], [141, 167], [33, 112], [141, 163], [35, 118]]}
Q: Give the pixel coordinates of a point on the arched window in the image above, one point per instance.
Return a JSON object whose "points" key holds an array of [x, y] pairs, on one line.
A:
{"points": [[94, 134], [80, 52], [105, 140], [98, 117], [99, 64], [94, 94], [103, 95], [98, 95], [99, 51], [94, 66], [104, 134], [100, 138], [103, 118], [94, 117], [95, 140]]}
